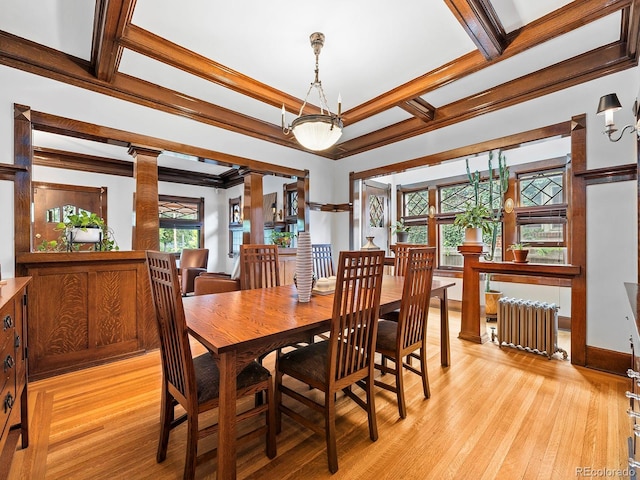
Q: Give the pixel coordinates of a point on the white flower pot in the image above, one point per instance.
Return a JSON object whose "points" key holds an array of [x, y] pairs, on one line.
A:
{"points": [[89, 235], [472, 236]]}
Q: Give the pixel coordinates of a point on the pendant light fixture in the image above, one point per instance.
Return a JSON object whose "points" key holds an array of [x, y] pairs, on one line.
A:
{"points": [[316, 131]]}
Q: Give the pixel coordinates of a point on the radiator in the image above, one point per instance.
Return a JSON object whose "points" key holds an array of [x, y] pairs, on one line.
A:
{"points": [[529, 325]]}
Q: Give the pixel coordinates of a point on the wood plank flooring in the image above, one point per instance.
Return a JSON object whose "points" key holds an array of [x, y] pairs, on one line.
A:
{"points": [[493, 414]]}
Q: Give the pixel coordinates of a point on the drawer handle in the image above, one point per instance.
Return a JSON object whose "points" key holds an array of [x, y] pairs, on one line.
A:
{"points": [[9, 362], [8, 402], [8, 322], [633, 396], [633, 414], [633, 374]]}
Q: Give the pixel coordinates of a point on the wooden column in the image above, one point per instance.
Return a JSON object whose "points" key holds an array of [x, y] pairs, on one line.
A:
{"points": [[23, 157], [470, 320], [303, 202], [253, 223], [146, 224], [576, 238]]}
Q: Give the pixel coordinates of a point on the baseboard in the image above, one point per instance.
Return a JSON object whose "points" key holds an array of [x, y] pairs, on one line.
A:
{"points": [[609, 361]]}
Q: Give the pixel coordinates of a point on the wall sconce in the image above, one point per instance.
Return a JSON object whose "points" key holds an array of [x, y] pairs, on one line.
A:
{"points": [[609, 104], [273, 211]]}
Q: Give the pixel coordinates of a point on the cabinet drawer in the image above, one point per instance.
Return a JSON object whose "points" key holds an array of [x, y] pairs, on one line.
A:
{"points": [[7, 402]]}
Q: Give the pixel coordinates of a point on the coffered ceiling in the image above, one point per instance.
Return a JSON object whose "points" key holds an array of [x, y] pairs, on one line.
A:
{"points": [[402, 68]]}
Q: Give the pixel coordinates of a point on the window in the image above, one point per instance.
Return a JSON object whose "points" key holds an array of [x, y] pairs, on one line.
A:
{"points": [[453, 199], [415, 214], [541, 215], [181, 223]]}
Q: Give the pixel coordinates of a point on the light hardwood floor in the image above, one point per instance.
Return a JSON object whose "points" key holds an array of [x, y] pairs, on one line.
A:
{"points": [[493, 414]]}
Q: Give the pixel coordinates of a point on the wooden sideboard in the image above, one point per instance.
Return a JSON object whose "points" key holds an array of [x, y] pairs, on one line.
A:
{"points": [[86, 308], [287, 265], [13, 382]]}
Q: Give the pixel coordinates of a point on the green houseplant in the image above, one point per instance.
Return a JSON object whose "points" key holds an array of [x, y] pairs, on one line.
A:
{"points": [[475, 220], [86, 227], [282, 239], [520, 252], [401, 231]]}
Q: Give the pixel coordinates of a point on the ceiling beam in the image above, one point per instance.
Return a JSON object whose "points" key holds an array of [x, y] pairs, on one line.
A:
{"points": [[158, 48], [479, 20], [35, 58], [583, 68], [109, 21], [631, 28], [88, 131], [504, 143], [561, 21], [419, 108]]}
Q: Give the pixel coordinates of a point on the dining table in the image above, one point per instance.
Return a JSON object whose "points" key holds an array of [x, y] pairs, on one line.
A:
{"points": [[238, 327]]}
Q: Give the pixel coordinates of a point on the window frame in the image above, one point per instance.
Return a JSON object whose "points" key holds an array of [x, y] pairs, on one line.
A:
{"points": [[170, 223]]}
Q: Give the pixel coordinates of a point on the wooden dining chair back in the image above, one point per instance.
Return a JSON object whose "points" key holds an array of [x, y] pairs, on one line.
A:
{"points": [[402, 256], [259, 266], [397, 340], [347, 358], [190, 382], [322, 260]]}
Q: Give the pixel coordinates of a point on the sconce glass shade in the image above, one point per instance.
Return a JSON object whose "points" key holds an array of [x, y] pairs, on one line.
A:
{"points": [[317, 132], [609, 102]]}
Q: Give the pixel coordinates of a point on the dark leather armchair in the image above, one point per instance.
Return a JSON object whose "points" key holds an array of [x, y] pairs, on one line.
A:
{"points": [[193, 262]]}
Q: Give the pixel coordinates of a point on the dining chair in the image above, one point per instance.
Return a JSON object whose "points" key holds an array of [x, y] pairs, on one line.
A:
{"points": [[259, 266], [347, 358], [193, 383], [400, 259], [322, 260], [193, 262], [397, 340]]}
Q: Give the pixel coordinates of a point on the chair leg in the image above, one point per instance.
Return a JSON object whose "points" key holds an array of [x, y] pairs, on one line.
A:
{"points": [[278, 399], [166, 417], [402, 406], [192, 446], [271, 421], [330, 430], [371, 408], [425, 372]]}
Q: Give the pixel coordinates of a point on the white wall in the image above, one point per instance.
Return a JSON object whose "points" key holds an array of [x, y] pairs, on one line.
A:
{"points": [[329, 179]]}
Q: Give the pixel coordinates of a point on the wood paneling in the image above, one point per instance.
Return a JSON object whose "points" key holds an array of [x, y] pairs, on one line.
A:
{"points": [[253, 219], [145, 212], [86, 308]]}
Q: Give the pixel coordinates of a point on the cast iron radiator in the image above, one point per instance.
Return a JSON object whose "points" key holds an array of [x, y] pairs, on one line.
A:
{"points": [[529, 325]]}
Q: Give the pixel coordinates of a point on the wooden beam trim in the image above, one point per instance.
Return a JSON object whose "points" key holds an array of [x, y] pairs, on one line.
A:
{"points": [[111, 16], [158, 48], [631, 29], [510, 141], [552, 25], [601, 61], [78, 129], [481, 23], [419, 108], [19, 53]]}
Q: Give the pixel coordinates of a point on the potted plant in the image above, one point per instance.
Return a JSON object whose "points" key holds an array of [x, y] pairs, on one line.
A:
{"points": [[520, 252], [282, 239], [86, 227], [476, 221], [401, 231]]}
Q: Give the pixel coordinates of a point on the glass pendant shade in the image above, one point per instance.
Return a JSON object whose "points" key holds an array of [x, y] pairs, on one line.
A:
{"points": [[317, 132]]}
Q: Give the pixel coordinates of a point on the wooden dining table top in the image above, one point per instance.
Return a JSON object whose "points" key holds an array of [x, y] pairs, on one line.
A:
{"points": [[238, 320]]}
